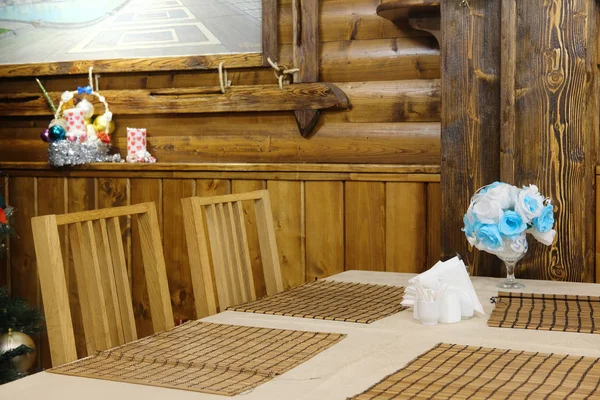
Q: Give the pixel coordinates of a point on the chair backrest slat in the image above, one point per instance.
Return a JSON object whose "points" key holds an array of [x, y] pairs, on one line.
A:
{"points": [[122, 288], [268, 245], [228, 243], [53, 284], [218, 255], [202, 281], [155, 270], [78, 249], [243, 252], [231, 255], [107, 278], [101, 276]]}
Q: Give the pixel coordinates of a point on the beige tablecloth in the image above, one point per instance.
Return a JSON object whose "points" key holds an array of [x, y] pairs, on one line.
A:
{"points": [[366, 355]]}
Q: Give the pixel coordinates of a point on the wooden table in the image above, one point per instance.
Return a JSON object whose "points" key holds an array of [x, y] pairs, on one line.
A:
{"points": [[366, 355]]}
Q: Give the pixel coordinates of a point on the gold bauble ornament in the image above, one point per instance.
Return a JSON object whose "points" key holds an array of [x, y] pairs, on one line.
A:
{"points": [[12, 340], [100, 124]]}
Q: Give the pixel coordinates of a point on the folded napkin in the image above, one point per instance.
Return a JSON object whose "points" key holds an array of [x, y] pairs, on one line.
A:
{"points": [[452, 273]]}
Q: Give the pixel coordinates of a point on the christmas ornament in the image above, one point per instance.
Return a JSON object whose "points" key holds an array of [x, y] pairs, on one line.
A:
{"points": [[45, 135], [101, 124], [56, 133], [11, 341]]}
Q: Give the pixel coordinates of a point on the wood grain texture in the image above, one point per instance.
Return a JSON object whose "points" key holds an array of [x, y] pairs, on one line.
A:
{"points": [[392, 59], [133, 65], [324, 202], [470, 117], [434, 223], [53, 202], [242, 186], [193, 141], [365, 226], [5, 262], [269, 30], [557, 124], [413, 100], [176, 257], [256, 98], [116, 192], [597, 231], [287, 207], [508, 64], [55, 290], [81, 196], [346, 20], [405, 227], [305, 30], [142, 190]]}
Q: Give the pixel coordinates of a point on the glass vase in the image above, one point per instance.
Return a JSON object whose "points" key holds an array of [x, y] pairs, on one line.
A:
{"points": [[513, 251]]}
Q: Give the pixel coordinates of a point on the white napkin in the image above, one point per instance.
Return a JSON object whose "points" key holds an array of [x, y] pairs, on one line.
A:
{"points": [[453, 273]]}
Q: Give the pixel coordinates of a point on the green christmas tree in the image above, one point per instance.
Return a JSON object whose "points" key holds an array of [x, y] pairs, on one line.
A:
{"points": [[15, 313]]}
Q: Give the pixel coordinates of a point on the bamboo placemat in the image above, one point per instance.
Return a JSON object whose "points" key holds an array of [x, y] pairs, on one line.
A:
{"points": [[204, 357], [450, 371], [549, 312], [331, 300]]}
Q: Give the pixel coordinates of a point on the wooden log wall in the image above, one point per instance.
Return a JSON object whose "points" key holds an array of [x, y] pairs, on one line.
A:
{"points": [[352, 189], [526, 113]]}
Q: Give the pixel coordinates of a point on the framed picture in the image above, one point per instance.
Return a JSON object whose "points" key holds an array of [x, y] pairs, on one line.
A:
{"points": [[49, 37]]}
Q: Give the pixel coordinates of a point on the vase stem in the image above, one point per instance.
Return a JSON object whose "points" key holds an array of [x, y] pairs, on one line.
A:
{"points": [[510, 282], [510, 271]]}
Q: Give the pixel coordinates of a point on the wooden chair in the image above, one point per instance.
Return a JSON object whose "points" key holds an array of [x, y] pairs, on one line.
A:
{"points": [[101, 278], [229, 249]]}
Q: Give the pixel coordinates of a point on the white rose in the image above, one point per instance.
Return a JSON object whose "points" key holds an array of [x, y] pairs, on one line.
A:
{"points": [[66, 96], [487, 211], [501, 194], [546, 238], [529, 203]]}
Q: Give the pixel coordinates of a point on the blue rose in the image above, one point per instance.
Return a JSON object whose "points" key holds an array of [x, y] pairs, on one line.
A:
{"points": [[470, 221], [488, 235], [545, 221], [511, 224], [531, 203]]}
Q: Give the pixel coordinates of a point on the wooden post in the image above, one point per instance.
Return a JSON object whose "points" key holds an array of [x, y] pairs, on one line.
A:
{"points": [[470, 117], [305, 16], [556, 124]]}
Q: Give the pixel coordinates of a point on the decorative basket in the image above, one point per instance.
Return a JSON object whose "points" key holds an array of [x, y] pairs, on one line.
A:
{"points": [[73, 138]]}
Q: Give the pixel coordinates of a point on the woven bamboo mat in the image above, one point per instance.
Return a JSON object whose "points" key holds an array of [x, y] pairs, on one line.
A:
{"points": [[546, 312], [204, 357], [331, 300], [450, 371]]}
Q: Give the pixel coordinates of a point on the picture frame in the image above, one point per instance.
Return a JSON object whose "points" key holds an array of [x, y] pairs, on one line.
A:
{"points": [[169, 63]]}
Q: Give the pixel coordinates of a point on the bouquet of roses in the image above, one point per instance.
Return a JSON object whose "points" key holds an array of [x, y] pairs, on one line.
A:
{"points": [[500, 215]]}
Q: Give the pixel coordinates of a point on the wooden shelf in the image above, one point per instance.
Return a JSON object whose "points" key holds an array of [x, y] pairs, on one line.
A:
{"points": [[421, 14], [250, 98], [281, 171]]}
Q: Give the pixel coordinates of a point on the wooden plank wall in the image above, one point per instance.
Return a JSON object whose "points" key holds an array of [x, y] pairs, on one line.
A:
{"points": [[363, 222]]}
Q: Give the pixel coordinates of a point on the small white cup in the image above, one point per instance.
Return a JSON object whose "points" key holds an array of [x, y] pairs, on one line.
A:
{"points": [[428, 311]]}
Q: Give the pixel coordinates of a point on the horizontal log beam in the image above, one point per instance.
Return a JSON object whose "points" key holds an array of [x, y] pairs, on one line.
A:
{"points": [[314, 96], [133, 65], [387, 143]]}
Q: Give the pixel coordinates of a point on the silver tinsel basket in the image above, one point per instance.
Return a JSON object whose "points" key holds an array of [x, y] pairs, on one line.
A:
{"points": [[65, 153]]}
